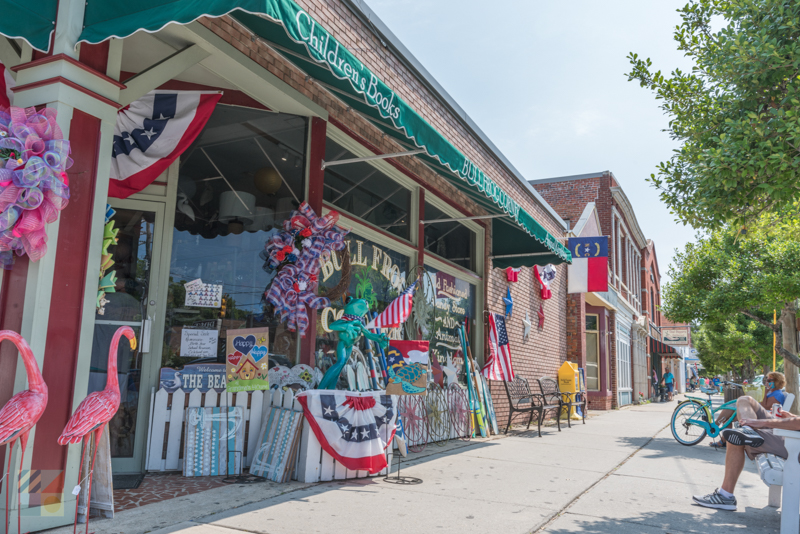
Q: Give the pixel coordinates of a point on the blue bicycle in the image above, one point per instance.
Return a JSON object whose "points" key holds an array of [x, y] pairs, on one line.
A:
{"points": [[695, 418]]}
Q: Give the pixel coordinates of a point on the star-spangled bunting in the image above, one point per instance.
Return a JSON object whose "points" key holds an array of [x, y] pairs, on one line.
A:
{"points": [[152, 132]]}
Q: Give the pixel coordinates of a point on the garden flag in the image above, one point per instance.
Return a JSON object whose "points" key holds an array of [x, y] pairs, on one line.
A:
{"points": [[498, 367], [397, 312], [152, 132], [353, 427], [589, 269]]}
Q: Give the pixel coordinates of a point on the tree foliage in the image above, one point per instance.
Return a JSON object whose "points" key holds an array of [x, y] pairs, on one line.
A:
{"points": [[739, 344], [736, 114], [726, 274]]}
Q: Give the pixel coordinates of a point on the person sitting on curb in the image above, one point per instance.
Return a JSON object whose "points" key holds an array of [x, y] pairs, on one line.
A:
{"points": [[774, 394], [753, 437]]}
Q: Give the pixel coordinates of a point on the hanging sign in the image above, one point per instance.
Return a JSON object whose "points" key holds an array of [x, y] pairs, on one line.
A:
{"points": [[246, 359]]}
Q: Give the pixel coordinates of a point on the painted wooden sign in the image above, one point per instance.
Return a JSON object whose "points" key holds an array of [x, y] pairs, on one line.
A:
{"points": [[278, 442], [214, 441]]}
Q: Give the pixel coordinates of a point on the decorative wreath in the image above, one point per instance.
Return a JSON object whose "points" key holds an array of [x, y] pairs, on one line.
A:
{"points": [[34, 186], [295, 254]]}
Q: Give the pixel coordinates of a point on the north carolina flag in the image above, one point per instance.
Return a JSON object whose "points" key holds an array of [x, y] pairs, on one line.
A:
{"points": [[589, 269]]}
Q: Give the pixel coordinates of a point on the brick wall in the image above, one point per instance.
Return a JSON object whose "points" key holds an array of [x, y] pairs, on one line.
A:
{"points": [[576, 329], [544, 351]]}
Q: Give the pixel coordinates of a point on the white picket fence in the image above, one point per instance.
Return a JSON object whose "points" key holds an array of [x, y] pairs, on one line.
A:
{"points": [[166, 432]]}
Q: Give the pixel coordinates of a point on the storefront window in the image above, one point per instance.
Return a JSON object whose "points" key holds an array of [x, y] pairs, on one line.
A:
{"points": [[238, 181], [454, 301], [377, 274], [450, 240], [366, 192], [592, 353]]}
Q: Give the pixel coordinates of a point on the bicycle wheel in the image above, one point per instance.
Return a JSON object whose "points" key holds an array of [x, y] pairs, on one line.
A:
{"points": [[684, 425]]}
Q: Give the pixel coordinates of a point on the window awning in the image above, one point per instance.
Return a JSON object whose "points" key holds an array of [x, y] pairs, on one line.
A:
{"points": [[308, 45], [34, 24], [665, 351]]}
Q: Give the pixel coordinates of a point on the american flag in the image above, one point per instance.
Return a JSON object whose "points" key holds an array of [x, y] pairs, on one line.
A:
{"points": [[397, 312], [499, 365]]}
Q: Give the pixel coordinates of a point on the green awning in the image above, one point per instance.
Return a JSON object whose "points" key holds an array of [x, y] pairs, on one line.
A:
{"points": [[315, 51], [34, 24]]}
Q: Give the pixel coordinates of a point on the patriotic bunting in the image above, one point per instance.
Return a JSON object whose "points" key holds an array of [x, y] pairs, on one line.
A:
{"points": [[353, 427], [152, 132]]}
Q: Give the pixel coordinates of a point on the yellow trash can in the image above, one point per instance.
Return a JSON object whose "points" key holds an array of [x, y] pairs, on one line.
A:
{"points": [[569, 382]]}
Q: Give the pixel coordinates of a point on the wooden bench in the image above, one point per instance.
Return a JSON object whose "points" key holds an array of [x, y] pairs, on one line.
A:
{"points": [[521, 400], [778, 473]]}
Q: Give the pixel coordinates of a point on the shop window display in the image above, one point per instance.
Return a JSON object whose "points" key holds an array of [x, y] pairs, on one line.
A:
{"points": [[364, 191], [377, 274], [450, 240], [238, 181], [454, 301]]}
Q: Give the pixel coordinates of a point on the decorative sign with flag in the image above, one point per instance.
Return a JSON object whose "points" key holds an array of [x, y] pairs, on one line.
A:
{"points": [[353, 427], [498, 367], [589, 269], [397, 312], [152, 132]]}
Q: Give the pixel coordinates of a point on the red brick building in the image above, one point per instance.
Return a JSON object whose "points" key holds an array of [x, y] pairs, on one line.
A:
{"points": [[610, 328]]}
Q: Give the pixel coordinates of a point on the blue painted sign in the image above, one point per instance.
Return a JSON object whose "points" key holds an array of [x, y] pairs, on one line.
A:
{"points": [[202, 376]]}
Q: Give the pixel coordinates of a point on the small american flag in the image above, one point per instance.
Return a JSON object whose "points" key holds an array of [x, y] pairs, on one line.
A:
{"points": [[397, 312], [499, 365]]}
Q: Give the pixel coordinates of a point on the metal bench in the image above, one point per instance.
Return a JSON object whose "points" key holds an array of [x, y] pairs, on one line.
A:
{"points": [[550, 390], [778, 473], [521, 400], [551, 399]]}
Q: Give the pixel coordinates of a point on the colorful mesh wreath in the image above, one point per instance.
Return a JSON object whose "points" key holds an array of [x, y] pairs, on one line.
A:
{"points": [[34, 186], [295, 254]]}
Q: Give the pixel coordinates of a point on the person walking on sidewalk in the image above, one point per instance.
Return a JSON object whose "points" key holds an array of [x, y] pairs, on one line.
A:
{"points": [[753, 437], [669, 382]]}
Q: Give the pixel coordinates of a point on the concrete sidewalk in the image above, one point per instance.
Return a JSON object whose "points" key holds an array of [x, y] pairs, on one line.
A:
{"points": [[621, 472]]}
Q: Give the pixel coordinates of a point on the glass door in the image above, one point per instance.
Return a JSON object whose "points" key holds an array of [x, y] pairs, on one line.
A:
{"points": [[132, 303]]}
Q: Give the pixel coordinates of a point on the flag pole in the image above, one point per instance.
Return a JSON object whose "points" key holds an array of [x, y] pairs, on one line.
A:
{"points": [[774, 338]]}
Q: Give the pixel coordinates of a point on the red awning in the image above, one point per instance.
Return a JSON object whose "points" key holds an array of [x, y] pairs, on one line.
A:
{"points": [[665, 351]]}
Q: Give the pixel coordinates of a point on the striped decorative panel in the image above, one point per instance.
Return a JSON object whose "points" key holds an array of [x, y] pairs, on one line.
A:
{"points": [[278, 443], [214, 441]]}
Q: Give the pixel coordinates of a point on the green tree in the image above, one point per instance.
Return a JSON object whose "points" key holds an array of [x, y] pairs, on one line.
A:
{"points": [[739, 344], [736, 114], [728, 273]]}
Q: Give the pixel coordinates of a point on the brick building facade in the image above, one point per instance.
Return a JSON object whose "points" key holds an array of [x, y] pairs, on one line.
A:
{"points": [[623, 320], [271, 143]]}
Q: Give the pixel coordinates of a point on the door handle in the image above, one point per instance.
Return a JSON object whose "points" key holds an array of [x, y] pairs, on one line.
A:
{"points": [[144, 336]]}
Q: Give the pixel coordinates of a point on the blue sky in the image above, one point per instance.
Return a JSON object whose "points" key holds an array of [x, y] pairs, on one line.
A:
{"points": [[545, 81]]}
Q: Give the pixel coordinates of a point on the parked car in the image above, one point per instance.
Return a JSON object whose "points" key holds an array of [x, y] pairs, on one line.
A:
{"points": [[758, 380]]}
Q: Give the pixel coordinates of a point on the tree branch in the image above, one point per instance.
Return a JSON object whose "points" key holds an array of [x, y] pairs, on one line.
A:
{"points": [[773, 327], [786, 354]]}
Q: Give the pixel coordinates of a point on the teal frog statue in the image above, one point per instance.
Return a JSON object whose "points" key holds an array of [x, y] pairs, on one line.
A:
{"points": [[349, 327]]}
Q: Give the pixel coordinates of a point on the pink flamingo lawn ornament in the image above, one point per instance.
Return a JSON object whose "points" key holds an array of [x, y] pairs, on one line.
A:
{"points": [[21, 413], [95, 412]]}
